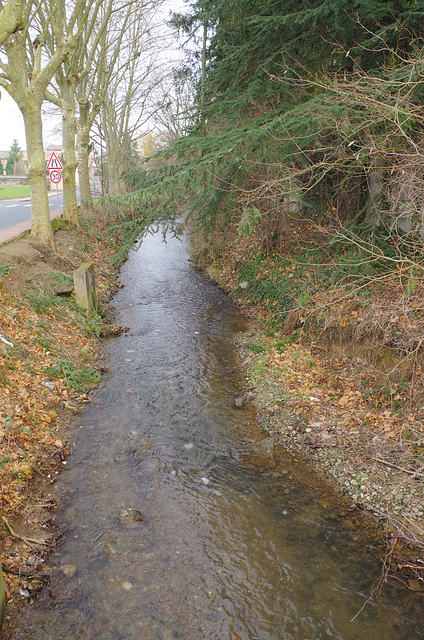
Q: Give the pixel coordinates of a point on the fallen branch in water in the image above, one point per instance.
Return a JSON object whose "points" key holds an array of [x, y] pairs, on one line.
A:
{"points": [[26, 574], [17, 535]]}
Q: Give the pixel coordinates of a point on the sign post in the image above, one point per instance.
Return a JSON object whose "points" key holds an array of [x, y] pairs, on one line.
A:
{"points": [[56, 177], [55, 167]]}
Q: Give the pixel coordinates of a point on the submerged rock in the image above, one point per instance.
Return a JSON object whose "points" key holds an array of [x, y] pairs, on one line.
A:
{"points": [[69, 570], [130, 516], [261, 455]]}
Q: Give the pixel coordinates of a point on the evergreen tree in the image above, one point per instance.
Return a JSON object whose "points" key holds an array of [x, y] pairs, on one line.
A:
{"points": [[15, 155], [269, 126], [255, 38]]}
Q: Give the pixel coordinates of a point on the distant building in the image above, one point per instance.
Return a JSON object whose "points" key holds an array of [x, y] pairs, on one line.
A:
{"points": [[24, 160]]}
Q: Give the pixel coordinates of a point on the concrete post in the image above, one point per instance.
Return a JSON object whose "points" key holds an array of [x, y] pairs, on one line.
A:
{"points": [[85, 287]]}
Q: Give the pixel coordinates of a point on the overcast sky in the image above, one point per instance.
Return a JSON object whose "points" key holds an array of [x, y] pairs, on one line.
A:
{"points": [[11, 123]]}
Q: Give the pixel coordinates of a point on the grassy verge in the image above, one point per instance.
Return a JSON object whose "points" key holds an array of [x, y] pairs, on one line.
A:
{"points": [[18, 191]]}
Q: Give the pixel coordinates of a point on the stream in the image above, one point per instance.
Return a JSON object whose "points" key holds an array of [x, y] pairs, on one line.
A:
{"points": [[181, 521]]}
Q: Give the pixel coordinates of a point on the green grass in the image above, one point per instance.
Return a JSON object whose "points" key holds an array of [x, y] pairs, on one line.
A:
{"points": [[256, 348], [42, 302], [59, 279], [281, 283], [78, 379], [5, 269], [18, 191]]}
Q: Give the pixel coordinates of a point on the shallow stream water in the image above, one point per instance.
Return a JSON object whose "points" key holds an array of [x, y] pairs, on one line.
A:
{"points": [[181, 523]]}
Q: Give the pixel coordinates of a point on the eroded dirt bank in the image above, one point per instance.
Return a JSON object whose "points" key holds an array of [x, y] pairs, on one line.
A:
{"points": [[319, 386]]}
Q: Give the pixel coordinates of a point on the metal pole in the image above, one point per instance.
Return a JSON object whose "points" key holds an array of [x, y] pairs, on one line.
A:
{"points": [[58, 201]]}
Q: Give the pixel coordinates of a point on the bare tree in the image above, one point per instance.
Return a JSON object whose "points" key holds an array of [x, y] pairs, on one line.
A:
{"points": [[129, 102], [11, 18], [93, 22], [175, 113], [26, 74], [100, 64]]}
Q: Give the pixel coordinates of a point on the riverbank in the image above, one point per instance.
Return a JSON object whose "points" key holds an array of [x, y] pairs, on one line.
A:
{"points": [[324, 390], [310, 401], [172, 486], [49, 361]]}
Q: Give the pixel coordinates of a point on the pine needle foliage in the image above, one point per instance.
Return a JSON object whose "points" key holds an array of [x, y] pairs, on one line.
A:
{"points": [[300, 96]]}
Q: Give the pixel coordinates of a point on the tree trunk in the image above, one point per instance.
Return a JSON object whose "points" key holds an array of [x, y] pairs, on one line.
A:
{"points": [[41, 226], [70, 207], [203, 76], [116, 186], [114, 172], [83, 133], [11, 18]]}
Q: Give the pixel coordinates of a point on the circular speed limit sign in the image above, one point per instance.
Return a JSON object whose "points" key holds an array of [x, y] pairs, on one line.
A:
{"points": [[55, 176]]}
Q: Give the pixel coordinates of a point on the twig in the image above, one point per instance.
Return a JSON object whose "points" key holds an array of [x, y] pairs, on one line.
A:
{"points": [[17, 535], [395, 466]]}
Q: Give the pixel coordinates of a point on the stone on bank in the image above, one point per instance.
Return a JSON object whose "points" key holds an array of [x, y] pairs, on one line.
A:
{"points": [[85, 287]]}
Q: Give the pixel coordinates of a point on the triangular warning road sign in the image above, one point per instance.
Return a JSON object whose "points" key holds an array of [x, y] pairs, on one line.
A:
{"points": [[54, 163]]}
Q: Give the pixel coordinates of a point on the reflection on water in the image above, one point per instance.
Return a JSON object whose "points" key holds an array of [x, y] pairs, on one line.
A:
{"points": [[179, 525]]}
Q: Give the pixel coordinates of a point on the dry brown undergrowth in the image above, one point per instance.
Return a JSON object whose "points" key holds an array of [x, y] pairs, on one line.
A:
{"points": [[347, 394]]}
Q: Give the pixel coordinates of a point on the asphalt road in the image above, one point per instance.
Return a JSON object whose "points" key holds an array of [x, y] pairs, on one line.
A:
{"points": [[13, 212]]}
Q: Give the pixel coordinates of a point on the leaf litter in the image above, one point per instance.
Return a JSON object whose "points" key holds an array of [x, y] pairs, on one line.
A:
{"points": [[43, 334]]}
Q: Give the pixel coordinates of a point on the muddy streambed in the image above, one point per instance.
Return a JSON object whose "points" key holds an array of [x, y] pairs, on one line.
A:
{"points": [[182, 522]]}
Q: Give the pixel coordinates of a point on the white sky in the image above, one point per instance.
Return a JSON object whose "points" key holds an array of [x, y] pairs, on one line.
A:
{"points": [[11, 123]]}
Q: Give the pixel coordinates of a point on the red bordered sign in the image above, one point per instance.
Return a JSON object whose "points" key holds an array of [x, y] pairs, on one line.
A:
{"points": [[55, 176], [54, 163]]}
